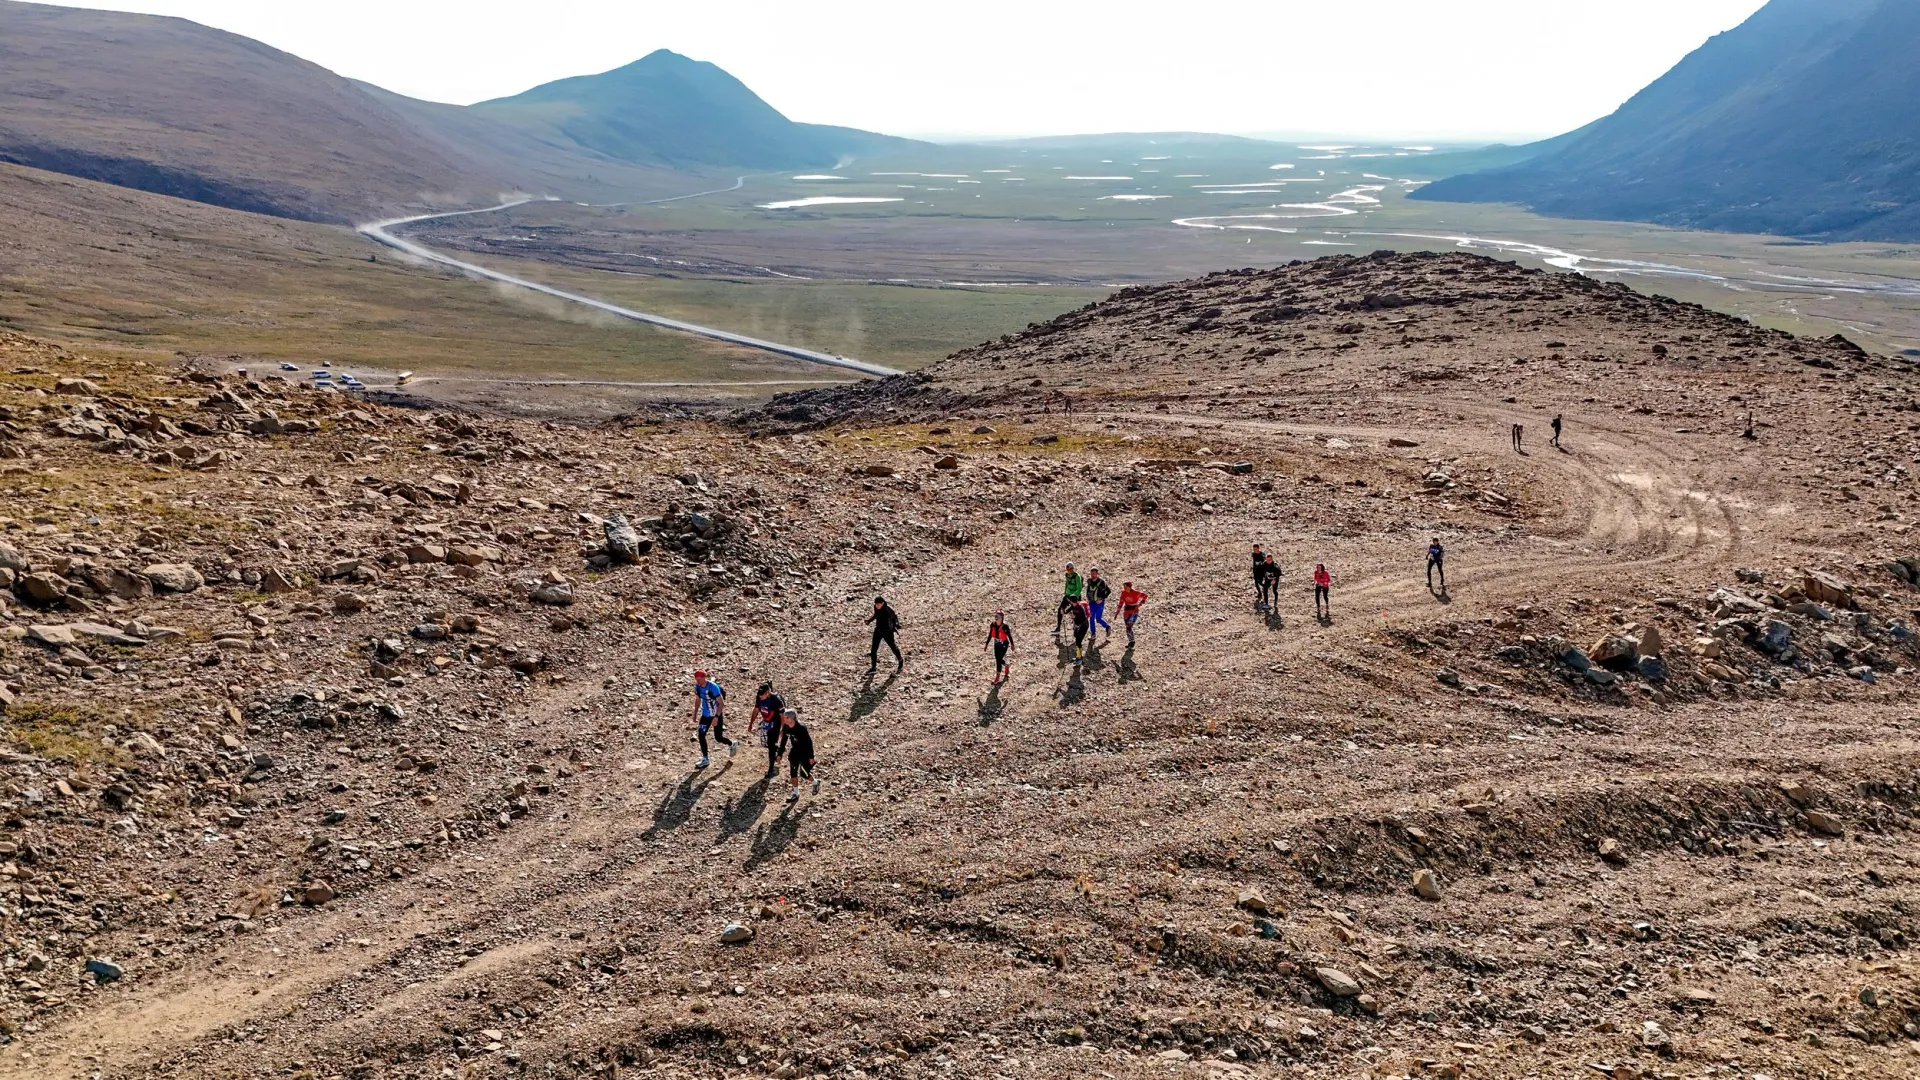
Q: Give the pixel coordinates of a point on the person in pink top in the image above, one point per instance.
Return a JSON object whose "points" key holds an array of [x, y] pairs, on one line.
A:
{"points": [[1322, 599]]}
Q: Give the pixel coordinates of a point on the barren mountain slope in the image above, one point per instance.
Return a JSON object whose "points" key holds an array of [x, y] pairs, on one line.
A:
{"points": [[386, 805]]}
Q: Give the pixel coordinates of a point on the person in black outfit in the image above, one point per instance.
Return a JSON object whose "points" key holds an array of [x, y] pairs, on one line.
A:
{"points": [[886, 623], [799, 754], [1259, 578], [1270, 590], [767, 707], [1080, 625], [1556, 430]]}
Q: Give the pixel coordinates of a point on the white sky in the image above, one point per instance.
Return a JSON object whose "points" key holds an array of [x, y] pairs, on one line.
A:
{"points": [[1402, 69]]}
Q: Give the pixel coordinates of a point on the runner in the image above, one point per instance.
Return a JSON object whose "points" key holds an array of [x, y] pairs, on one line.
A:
{"points": [[1274, 574], [1322, 582], [710, 711], [799, 754], [1556, 431], [1517, 429], [767, 706], [1259, 579], [1130, 601], [886, 623], [1080, 624], [1097, 592], [1000, 641], [1070, 597], [1436, 560]]}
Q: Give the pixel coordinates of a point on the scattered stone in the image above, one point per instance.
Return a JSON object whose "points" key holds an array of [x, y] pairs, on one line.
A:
{"points": [[1823, 588], [1824, 823], [174, 577], [736, 934], [317, 894], [1797, 793], [877, 469], [1426, 884], [1400, 442], [1337, 982], [349, 604], [1610, 850], [947, 462], [41, 587], [1253, 901], [104, 971], [625, 544], [1448, 676]]}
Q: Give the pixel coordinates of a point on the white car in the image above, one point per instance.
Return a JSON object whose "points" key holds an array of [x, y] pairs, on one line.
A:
{"points": [[289, 367]]}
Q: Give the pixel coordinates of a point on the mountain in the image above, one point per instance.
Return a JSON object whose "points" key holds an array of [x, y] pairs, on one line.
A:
{"points": [[169, 106], [1802, 121], [668, 109]]}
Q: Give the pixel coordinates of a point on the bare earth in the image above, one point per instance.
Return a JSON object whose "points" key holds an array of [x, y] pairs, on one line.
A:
{"points": [[481, 850]]}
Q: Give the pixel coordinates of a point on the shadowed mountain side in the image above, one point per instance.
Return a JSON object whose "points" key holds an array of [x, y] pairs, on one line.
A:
{"points": [[1798, 122]]}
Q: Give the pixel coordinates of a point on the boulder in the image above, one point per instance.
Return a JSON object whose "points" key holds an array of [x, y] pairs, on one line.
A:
{"points": [[426, 553], [1426, 885], [625, 544], [317, 894], [114, 581], [1252, 900], [1615, 653], [1776, 638], [1575, 659], [77, 387], [10, 559], [1824, 588], [949, 461], [275, 580], [736, 934], [56, 637], [173, 577], [1338, 983], [41, 587], [474, 554], [348, 604], [1824, 823], [877, 469], [1651, 643]]}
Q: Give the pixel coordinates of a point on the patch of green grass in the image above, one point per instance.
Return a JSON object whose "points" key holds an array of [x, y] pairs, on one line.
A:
{"points": [[68, 733]]}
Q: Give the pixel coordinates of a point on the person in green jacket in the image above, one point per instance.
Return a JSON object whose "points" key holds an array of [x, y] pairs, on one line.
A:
{"points": [[1075, 586]]}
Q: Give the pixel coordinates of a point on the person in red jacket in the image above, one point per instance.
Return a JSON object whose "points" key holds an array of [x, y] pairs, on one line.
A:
{"points": [[1130, 601], [1322, 599], [1000, 642]]}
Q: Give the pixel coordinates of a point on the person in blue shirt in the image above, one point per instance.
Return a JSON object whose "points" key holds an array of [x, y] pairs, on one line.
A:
{"points": [[710, 711], [1436, 560]]}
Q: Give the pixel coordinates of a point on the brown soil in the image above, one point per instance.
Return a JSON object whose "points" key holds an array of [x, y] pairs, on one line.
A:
{"points": [[1705, 870]]}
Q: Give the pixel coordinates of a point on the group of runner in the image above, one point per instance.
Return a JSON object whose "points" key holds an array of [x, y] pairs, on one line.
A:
{"points": [[776, 723], [1084, 600]]}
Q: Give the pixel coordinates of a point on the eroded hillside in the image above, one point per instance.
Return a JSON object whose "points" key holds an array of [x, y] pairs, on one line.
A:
{"points": [[342, 741]]}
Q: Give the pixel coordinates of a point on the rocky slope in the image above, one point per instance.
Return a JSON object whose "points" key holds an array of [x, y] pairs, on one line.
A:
{"points": [[346, 740]]}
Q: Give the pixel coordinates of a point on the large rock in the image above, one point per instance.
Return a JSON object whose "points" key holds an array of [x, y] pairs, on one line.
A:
{"points": [[275, 580], [41, 587], [625, 544], [1426, 885], [114, 581], [1824, 588], [426, 553], [1651, 644], [473, 554], [174, 577], [1776, 638], [11, 559], [1338, 983]]}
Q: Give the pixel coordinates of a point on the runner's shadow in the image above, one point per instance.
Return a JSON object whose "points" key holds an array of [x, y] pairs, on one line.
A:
{"points": [[1128, 672], [739, 814], [676, 806], [1443, 596], [991, 706], [868, 697], [1275, 622], [1074, 691], [1324, 620], [1066, 657], [1091, 661], [772, 838]]}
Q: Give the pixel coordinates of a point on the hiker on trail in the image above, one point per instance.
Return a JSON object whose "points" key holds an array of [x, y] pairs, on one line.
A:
{"points": [[1097, 593], [1517, 429], [1068, 598], [1555, 441], [767, 706], [1000, 642], [1130, 601], [710, 712], [1322, 597], [886, 623], [799, 754], [1259, 579], [1080, 624], [1436, 560]]}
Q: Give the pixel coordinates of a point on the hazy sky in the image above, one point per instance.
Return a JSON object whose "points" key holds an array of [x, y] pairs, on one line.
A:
{"points": [[1405, 69]]}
